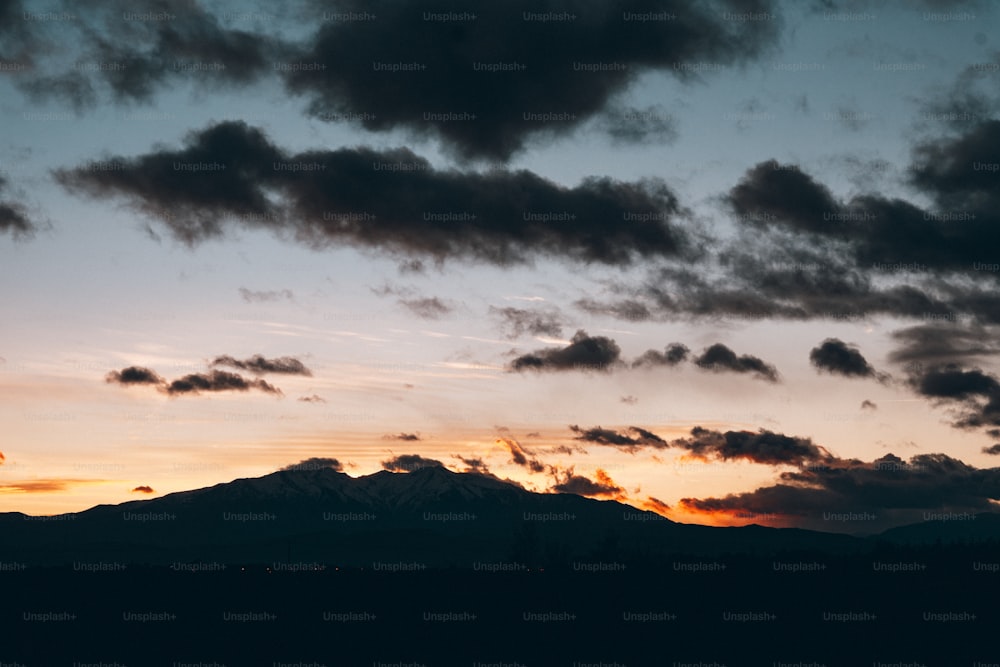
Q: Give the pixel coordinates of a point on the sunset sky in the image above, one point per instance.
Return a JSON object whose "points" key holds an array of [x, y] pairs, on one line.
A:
{"points": [[734, 261]]}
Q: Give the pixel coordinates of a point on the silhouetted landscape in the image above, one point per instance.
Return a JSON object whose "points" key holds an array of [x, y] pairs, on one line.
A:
{"points": [[435, 567], [499, 333]]}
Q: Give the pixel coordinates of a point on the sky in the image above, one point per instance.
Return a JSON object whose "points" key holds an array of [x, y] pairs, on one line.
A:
{"points": [[734, 262]]}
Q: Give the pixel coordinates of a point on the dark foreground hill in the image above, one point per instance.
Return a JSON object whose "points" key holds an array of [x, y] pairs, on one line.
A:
{"points": [[432, 516], [313, 567]]}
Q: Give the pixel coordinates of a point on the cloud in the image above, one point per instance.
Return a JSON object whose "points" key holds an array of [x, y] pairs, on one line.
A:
{"points": [[409, 463], [672, 355], [719, 358], [405, 437], [838, 358], [427, 308], [772, 194], [769, 276], [134, 375], [3, 459], [193, 383], [473, 85], [951, 382], [138, 59], [583, 353], [889, 488], [803, 253], [34, 486], [631, 125], [976, 392], [873, 231], [625, 309], [520, 456], [993, 450], [474, 464], [629, 400], [14, 215], [259, 365], [610, 438], [143, 489], [391, 200], [764, 447], [265, 296], [316, 463], [494, 67], [313, 398], [517, 322], [868, 405], [213, 381], [946, 342], [656, 505], [601, 485]]}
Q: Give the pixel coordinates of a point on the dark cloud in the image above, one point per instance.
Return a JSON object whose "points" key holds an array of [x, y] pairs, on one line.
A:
{"points": [[427, 308], [629, 443], [629, 400], [672, 355], [195, 383], [951, 382], [975, 393], [13, 215], [868, 405], [409, 463], [388, 200], [626, 309], [956, 170], [656, 505], [3, 459], [931, 344], [517, 322], [134, 375], [316, 463], [584, 352], [544, 74], [218, 175], [474, 464], [143, 489], [873, 231], [601, 485], [767, 276], [837, 357], [630, 125], [720, 358], [405, 437], [993, 450], [764, 447], [99, 54], [264, 296], [895, 491], [772, 194], [396, 72], [520, 456], [259, 365], [313, 398]]}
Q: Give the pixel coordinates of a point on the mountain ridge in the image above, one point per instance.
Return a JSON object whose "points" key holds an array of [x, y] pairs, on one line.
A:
{"points": [[431, 514]]}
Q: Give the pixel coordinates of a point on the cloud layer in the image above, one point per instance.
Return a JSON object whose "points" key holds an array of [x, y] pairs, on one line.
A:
{"points": [[389, 200]]}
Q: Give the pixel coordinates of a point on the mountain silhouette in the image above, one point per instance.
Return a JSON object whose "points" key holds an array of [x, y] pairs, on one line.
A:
{"points": [[430, 516]]}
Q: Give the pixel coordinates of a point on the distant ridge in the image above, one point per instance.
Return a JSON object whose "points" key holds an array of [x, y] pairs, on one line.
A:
{"points": [[431, 515]]}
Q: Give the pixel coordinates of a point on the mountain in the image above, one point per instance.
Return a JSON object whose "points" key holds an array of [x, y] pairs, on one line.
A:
{"points": [[431, 516], [958, 528]]}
